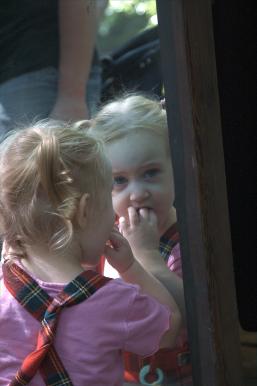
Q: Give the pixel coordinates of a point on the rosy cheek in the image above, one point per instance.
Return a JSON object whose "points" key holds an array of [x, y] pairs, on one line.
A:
{"points": [[119, 205], [115, 202]]}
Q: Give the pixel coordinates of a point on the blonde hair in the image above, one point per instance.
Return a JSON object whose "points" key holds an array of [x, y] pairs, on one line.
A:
{"points": [[44, 170], [127, 114]]}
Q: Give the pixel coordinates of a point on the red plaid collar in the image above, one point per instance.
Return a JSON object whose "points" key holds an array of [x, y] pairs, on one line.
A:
{"points": [[47, 311], [168, 241]]}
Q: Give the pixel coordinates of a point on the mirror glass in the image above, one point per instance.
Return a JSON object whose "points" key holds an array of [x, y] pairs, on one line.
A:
{"points": [[129, 46]]}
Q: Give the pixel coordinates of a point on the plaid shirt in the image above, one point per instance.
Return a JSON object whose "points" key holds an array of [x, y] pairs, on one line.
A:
{"points": [[47, 311], [168, 241]]}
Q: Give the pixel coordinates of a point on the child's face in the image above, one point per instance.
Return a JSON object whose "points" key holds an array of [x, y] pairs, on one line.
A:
{"points": [[142, 176]]}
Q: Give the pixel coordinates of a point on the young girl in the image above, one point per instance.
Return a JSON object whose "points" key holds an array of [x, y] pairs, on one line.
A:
{"points": [[134, 130], [59, 324]]}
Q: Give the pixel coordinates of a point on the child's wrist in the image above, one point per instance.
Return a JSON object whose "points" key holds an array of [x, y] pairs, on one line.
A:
{"points": [[123, 270], [131, 270], [129, 273], [150, 259], [146, 253]]}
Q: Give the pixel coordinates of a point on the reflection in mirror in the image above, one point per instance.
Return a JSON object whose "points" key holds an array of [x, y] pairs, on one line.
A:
{"points": [[51, 67], [143, 191], [135, 133]]}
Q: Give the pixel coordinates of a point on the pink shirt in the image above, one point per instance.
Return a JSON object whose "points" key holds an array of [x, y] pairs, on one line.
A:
{"points": [[174, 262], [90, 335]]}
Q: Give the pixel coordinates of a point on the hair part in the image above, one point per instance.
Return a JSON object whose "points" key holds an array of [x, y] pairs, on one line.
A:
{"points": [[44, 170]]}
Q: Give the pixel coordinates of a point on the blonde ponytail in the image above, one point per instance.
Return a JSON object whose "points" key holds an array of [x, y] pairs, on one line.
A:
{"points": [[44, 170]]}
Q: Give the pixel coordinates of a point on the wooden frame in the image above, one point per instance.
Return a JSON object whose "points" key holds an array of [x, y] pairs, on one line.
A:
{"points": [[189, 72]]}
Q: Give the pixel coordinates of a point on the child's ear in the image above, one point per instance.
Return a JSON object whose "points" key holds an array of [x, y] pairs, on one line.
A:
{"points": [[82, 213]]}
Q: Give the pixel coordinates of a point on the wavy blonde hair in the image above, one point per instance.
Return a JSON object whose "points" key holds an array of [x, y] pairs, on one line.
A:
{"points": [[127, 114], [44, 170]]}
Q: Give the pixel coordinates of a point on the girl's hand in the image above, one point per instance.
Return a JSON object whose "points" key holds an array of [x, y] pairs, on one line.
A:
{"points": [[118, 252], [140, 230]]}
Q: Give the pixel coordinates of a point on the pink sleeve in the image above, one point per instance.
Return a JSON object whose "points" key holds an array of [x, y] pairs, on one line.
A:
{"points": [[174, 261], [147, 321]]}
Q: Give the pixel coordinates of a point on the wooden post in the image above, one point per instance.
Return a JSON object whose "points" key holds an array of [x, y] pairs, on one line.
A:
{"points": [[189, 72]]}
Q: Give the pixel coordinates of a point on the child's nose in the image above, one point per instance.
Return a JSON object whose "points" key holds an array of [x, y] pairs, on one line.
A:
{"points": [[139, 193]]}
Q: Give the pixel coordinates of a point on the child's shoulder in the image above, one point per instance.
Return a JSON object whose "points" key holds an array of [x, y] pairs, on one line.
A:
{"points": [[119, 286], [126, 296], [130, 296]]}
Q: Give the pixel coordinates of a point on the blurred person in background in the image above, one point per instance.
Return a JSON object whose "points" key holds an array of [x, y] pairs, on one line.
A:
{"points": [[49, 64]]}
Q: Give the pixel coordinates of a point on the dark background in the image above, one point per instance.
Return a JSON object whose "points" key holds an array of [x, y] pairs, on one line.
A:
{"points": [[235, 45]]}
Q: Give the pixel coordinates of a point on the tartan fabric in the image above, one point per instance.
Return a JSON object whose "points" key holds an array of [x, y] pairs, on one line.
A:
{"points": [[168, 241], [175, 363], [47, 311]]}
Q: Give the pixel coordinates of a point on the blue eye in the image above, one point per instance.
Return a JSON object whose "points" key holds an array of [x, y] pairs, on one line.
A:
{"points": [[151, 173], [119, 180]]}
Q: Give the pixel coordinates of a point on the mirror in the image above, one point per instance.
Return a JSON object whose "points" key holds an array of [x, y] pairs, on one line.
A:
{"points": [[134, 63]]}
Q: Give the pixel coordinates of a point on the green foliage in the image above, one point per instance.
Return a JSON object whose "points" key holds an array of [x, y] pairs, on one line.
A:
{"points": [[132, 6], [123, 20]]}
